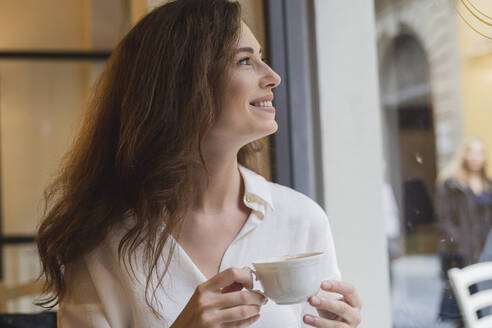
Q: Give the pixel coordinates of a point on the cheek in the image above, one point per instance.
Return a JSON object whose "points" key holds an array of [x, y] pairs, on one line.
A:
{"points": [[238, 89]]}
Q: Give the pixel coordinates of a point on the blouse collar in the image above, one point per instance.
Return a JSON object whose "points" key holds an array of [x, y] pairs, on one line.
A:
{"points": [[257, 193]]}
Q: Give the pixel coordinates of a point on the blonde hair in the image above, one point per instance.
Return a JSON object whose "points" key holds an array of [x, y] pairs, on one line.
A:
{"points": [[457, 168]]}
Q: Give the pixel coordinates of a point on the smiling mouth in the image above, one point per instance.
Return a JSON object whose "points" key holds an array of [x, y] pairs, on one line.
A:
{"points": [[264, 106]]}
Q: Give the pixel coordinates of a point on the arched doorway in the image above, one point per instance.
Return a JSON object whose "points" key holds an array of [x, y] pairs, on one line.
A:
{"points": [[410, 147]]}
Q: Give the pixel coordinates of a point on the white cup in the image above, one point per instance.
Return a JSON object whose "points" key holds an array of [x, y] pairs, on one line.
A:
{"points": [[291, 279]]}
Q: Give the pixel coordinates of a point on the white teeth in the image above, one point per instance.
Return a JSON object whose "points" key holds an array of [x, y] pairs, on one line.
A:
{"points": [[263, 104]]}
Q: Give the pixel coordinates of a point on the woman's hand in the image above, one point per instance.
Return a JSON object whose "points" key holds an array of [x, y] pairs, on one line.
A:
{"points": [[221, 302], [335, 312]]}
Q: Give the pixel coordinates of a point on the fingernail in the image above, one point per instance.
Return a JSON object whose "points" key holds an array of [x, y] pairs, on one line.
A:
{"points": [[308, 319], [315, 301], [256, 317], [326, 285]]}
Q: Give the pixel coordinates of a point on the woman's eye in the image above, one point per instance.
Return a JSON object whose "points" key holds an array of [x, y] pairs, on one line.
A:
{"points": [[245, 61]]}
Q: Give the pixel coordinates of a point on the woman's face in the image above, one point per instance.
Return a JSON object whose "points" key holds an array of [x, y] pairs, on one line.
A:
{"points": [[475, 156], [247, 113]]}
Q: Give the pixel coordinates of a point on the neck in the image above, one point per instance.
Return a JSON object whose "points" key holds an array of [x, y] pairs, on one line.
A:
{"points": [[474, 175], [221, 187]]}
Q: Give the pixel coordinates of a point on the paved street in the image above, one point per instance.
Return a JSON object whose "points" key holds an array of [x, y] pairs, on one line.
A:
{"points": [[416, 292]]}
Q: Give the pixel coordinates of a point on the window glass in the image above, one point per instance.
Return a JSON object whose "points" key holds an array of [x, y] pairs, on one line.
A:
{"points": [[43, 91], [435, 67]]}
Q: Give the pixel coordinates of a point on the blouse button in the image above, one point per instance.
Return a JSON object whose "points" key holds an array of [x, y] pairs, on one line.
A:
{"points": [[249, 198]]}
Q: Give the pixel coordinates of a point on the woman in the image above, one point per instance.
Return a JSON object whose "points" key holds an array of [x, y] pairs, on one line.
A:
{"points": [[464, 207], [157, 212]]}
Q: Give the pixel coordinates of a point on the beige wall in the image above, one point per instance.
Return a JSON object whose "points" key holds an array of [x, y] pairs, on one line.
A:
{"points": [[40, 104], [138, 9], [476, 56], [477, 98], [40, 101], [108, 22], [253, 15], [47, 24]]}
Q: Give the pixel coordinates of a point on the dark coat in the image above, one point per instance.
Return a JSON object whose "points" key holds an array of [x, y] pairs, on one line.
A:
{"points": [[486, 255], [464, 220]]}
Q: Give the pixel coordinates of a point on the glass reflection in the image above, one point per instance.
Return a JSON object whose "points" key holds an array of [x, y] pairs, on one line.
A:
{"points": [[434, 69]]}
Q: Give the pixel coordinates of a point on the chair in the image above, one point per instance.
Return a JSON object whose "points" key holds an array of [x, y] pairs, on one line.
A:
{"points": [[23, 320], [14, 292], [28, 320], [461, 280]]}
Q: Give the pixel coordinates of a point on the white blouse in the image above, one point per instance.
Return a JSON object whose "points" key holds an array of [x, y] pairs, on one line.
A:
{"points": [[101, 292]]}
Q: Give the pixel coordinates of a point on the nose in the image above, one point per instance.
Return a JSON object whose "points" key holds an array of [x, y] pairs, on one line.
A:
{"points": [[270, 79]]}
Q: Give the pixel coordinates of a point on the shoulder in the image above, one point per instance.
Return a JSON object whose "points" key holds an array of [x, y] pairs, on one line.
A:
{"points": [[489, 183], [452, 184], [296, 206], [107, 252], [286, 197]]}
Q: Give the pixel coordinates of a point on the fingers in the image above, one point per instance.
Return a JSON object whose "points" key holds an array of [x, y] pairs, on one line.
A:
{"points": [[323, 323], [228, 277], [327, 314], [329, 295], [347, 290], [242, 323], [238, 313], [234, 287], [243, 297], [340, 309], [222, 300], [234, 307]]}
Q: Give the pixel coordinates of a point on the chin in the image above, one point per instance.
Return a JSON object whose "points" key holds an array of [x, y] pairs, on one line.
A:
{"points": [[274, 127], [270, 129], [265, 132]]}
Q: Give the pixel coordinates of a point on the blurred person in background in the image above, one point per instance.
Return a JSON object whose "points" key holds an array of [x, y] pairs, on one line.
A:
{"points": [[464, 208], [157, 210]]}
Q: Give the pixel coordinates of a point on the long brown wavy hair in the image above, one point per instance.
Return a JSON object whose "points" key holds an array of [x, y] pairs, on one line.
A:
{"points": [[140, 140]]}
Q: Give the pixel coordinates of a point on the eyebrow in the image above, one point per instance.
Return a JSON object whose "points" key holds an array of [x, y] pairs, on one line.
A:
{"points": [[247, 49]]}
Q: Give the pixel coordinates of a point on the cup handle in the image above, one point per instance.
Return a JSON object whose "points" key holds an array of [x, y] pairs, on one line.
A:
{"points": [[255, 276]]}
